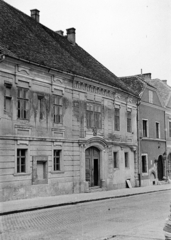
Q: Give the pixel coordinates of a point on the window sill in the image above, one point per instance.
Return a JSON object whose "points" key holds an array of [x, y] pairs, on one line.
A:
{"points": [[21, 174], [144, 174], [57, 172], [115, 169]]}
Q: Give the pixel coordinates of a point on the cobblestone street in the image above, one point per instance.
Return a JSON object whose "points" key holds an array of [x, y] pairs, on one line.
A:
{"points": [[137, 217]]}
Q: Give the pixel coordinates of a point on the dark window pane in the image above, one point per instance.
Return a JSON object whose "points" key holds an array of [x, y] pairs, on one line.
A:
{"points": [[21, 160]]}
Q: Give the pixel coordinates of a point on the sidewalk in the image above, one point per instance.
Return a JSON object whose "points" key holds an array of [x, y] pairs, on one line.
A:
{"points": [[62, 200]]}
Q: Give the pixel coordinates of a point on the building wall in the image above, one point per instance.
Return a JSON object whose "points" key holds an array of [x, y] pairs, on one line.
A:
{"points": [[40, 137], [152, 146]]}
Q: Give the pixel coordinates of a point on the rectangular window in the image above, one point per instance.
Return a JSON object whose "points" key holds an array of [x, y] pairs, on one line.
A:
{"points": [[23, 103], [117, 119], [150, 97], [126, 160], [169, 129], [57, 108], [144, 163], [129, 122], [157, 130], [57, 160], [40, 103], [93, 114], [7, 98], [115, 160], [145, 131], [21, 160]]}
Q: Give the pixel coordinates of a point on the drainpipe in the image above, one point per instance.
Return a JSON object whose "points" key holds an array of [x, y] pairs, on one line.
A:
{"points": [[165, 131], [138, 139]]}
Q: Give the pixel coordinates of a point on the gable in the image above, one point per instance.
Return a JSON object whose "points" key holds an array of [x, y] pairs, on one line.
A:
{"points": [[169, 102], [150, 96]]}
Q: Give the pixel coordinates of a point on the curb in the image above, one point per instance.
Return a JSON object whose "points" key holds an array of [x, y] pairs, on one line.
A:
{"points": [[76, 202]]}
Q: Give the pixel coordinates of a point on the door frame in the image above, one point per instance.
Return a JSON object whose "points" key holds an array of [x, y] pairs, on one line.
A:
{"points": [[92, 165]]}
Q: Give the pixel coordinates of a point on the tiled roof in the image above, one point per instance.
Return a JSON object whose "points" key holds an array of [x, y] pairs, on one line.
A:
{"points": [[135, 83], [23, 37], [162, 88]]}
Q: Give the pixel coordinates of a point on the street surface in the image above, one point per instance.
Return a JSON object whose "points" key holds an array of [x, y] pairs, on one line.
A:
{"points": [[128, 218]]}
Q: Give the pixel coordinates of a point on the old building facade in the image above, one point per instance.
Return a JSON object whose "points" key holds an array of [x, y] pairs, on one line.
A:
{"points": [[164, 90], [67, 124], [151, 130]]}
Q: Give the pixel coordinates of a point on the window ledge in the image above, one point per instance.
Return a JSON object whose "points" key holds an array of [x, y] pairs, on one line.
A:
{"points": [[144, 174], [57, 172], [21, 174]]}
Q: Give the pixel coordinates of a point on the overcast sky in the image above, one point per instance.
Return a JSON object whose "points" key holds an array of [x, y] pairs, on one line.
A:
{"points": [[124, 35]]}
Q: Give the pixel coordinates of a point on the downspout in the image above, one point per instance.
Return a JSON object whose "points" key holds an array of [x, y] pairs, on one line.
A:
{"points": [[165, 130], [138, 140]]}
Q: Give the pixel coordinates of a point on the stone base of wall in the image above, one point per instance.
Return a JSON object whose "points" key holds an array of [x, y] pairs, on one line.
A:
{"points": [[42, 190]]}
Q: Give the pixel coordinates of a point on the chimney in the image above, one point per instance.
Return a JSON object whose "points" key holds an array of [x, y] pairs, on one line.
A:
{"points": [[164, 81], [71, 35], [35, 14], [60, 32]]}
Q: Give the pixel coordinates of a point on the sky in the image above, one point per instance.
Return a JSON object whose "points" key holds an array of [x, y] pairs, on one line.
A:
{"points": [[124, 35]]}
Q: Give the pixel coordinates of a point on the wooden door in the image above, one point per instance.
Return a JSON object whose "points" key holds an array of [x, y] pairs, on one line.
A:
{"points": [[93, 166]]}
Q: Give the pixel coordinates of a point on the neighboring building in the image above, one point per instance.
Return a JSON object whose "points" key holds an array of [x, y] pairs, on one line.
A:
{"points": [[67, 124], [151, 130], [164, 91]]}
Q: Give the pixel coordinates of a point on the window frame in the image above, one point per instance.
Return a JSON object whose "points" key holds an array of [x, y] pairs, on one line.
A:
{"points": [[169, 127], [157, 129], [9, 97], [93, 115], [117, 119], [129, 122], [147, 131], [57, 147], [40, 106], [55, 158], [57, 107], [150, 96], [116, 166], [22, 102], [146, 156], [22, 145], [126, 159], [19, 160]]}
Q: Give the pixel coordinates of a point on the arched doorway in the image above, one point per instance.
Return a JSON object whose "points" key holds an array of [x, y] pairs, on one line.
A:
{"points": [[92, 168], [160, 168]]}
